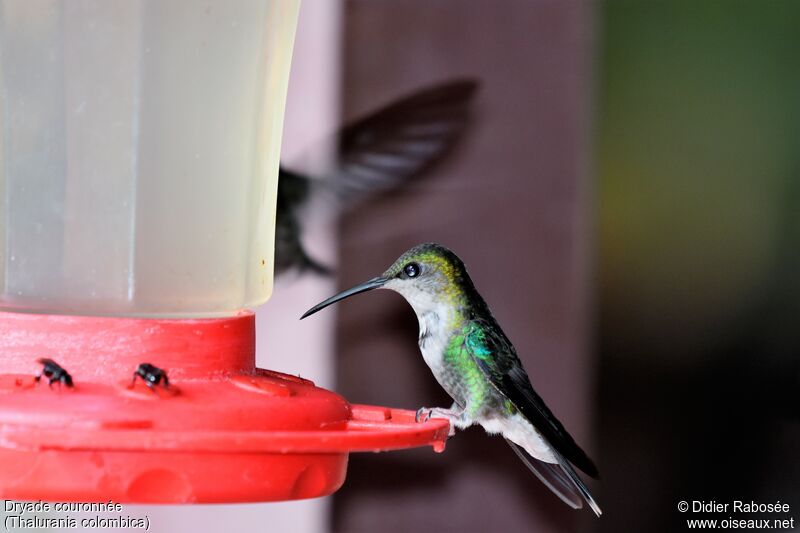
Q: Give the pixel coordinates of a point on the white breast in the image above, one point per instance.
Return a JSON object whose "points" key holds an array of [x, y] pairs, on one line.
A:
{"points": [[434, 316], [433, 337]]}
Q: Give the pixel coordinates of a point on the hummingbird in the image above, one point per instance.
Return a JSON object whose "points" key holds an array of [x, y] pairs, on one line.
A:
{"points": [[476, 364], [375, 153]]}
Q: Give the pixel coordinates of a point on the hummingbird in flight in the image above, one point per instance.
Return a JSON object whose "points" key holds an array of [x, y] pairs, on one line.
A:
{"points": [[473, 360], [376, 153]]}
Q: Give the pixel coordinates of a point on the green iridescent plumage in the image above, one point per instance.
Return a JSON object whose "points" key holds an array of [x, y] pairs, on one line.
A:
{"points": [[460, 353]]}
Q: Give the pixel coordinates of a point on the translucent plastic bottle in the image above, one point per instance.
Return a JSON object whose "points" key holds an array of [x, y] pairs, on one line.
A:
{"points": [[139, 142]]}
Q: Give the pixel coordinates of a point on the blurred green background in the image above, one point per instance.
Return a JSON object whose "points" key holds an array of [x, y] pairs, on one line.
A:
{"points": [[698, 196]]}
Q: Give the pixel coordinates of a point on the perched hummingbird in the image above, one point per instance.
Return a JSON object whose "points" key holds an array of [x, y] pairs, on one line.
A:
{"points": [[376, 153], [477, 365]]}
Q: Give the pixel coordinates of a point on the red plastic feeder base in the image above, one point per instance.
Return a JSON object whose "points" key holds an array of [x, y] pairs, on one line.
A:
{"points": [[223, 431]]}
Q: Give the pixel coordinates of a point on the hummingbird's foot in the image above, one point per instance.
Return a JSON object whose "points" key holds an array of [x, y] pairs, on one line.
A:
{"points": [[422, 416], [455, 417]]}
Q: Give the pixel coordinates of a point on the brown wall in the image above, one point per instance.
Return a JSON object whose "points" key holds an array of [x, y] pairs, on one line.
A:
{"points": [[513, 203]]}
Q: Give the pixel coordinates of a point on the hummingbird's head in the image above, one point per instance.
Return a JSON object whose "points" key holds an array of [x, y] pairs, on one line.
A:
{"points": [[428, 275]]}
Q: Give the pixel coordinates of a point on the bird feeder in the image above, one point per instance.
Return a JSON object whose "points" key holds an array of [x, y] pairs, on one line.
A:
{"points": [[140, 145]]}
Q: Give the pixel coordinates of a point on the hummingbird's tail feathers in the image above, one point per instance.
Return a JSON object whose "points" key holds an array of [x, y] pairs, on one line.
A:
{"points": [[551, 475], [577, 482], [560, 478], [581, 486]]}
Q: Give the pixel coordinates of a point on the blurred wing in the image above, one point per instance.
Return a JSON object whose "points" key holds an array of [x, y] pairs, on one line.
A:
{"points": [[503, 369], [403, 139], [397, 142]]}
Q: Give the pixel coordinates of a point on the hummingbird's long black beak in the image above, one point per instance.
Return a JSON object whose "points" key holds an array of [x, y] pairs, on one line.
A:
{"points": [[374, 283]]}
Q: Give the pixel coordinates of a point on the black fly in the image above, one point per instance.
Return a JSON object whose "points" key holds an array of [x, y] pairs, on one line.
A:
{"points": [[151, 375], [53, 372]]}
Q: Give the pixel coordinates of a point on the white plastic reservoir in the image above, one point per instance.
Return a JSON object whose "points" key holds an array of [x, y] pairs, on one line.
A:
{"points": [[139, 144]]}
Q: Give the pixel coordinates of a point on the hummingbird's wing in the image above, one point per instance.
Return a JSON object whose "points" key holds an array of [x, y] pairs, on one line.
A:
{"points": [[397, 142], [401, 140], [496, 357], [373, 154]]}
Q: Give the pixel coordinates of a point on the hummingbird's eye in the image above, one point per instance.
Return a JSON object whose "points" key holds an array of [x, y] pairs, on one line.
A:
{"points": [[411, 270]]}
